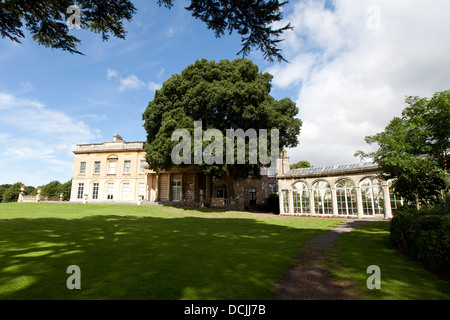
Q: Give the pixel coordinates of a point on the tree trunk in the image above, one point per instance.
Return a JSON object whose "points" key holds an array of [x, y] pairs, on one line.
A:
{"points": [[417, 200]]}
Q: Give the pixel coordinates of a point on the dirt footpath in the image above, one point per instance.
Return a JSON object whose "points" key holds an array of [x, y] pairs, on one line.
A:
{"points": [[307, 279]]}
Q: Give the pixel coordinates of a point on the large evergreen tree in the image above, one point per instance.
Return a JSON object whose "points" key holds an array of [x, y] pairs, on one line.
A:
{"points": [[224, 95], [46, 21]]}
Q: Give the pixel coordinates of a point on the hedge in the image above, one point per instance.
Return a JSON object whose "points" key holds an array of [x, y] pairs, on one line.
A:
{"points": [[424, 235]]}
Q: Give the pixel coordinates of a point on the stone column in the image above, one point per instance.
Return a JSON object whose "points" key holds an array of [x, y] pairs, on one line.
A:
{"points": [[291, 202], [311, 201], [359, 202], [169, 183], [281, 201], [157, 187], [181, 187], [334, 201], [387, 201]]}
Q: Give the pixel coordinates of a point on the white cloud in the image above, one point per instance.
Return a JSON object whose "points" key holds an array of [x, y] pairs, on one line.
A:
{"points": [[39, 139], [153, 86], [132, 82], [110, 74], [29, 115], [353, 68]]}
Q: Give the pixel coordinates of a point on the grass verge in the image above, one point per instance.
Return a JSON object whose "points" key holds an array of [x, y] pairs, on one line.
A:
{"points": [[401, 277], [146, 252]]}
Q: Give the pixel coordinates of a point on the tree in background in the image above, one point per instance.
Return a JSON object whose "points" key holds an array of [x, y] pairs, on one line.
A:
{"points": [[414, 149], [51, 189], [301, 164], [223, 95], [46, 20], [54, 188], [65, 189], [12, 193], [3, 189]]}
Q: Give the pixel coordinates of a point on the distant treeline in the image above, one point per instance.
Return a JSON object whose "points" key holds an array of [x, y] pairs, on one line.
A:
{"points": [[10, 192]]}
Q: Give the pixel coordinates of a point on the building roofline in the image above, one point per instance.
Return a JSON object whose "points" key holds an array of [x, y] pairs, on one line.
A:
{"points": [[109, 146], [330, 171]]}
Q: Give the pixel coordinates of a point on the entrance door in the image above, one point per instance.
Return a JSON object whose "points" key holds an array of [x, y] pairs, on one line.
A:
{"points": [[252, 195], [176, 190]]}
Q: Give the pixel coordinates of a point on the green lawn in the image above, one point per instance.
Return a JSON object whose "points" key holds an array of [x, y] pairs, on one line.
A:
{"points": [[401, 278], [145, 252]]}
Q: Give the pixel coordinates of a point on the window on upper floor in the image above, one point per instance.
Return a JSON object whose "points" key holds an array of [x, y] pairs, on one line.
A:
{"points": [[273, 188], [142, 166], [82, 167], [112, 167], [97, 167], [127, 167]]}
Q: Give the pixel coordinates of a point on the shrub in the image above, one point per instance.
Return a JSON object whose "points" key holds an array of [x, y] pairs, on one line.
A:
{"points": [[424, 235]]}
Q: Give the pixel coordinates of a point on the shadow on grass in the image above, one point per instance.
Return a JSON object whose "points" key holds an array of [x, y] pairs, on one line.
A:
{"points": [[401, 277], [124, 257]]}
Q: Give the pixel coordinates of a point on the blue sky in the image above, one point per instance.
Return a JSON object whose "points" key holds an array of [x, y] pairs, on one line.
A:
{"points": [[351, 65]]}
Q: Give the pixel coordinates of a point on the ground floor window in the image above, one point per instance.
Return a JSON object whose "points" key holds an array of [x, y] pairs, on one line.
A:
{"points": [[110, 191], [176, 190], [323, 203], [125, 191], [141, 190], [372, 196], [221, 192], [300, 196], [273, 188], [346, 197], [95, 191], [396, 201], [80, 191], [252, 195]]}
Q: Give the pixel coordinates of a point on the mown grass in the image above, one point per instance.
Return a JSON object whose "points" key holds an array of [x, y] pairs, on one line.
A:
{"points": [[146, 252], [401, 277]]}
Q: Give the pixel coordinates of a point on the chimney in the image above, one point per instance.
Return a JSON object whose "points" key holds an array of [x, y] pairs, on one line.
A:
{"points": [[117, 138], [283, 164]]}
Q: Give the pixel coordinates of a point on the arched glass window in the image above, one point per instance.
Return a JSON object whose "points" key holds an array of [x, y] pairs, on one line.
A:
{"points": [[323, 203], [300, 196], [346, 197], [372, 196], [396, 201]]}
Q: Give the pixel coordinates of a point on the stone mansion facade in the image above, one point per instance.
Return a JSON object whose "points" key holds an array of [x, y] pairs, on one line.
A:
{"points": [[117, 172]]}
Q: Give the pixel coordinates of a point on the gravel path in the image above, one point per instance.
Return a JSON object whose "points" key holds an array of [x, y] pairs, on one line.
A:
{"points": [[307, 279]]}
